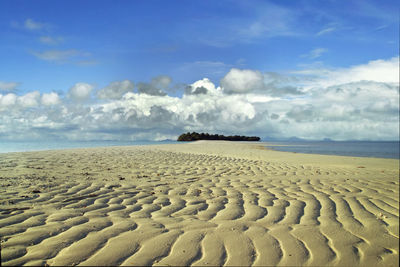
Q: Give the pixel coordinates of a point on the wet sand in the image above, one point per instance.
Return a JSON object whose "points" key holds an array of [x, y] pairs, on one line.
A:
{"points": [[205, 203]]}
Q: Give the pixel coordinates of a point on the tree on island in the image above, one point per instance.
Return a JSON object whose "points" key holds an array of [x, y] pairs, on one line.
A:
{"points": [[205, 136]]}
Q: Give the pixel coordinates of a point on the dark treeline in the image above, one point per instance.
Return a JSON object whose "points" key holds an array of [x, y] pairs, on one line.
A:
{"points": [[205, 136]]}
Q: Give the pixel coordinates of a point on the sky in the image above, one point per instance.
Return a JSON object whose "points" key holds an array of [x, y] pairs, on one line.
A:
{"points": [[151, 70]]}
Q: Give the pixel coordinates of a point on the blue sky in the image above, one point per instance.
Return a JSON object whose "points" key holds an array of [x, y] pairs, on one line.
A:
{"points": [[141, 39], [51, 46]]}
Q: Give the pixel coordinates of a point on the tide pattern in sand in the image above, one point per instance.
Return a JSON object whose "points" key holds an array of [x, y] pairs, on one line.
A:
{"points": [[139, 206]]}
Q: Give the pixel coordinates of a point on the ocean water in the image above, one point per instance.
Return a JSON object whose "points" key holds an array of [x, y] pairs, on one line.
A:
{"points": [[375, 149], [378, 149], [22, 146]]}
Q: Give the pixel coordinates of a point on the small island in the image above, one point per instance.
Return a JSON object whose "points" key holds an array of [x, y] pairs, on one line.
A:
{"points": [[205, 136]]}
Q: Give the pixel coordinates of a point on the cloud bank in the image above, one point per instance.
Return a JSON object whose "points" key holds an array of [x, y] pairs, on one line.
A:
{"points": [[357, 103]]}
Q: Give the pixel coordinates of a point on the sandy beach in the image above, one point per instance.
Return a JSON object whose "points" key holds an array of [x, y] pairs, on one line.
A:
{"points": [[207, 203]]}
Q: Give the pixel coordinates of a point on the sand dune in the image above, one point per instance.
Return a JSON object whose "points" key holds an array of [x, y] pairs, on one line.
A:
{"points": [[204, 203]]}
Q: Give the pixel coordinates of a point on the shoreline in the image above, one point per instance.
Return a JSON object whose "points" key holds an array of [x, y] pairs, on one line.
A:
{"points": [[202, 203], [266, 144], [77, 145]]}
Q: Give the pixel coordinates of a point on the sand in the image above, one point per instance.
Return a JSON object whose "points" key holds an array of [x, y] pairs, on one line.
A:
{"points": [[206, 203]]}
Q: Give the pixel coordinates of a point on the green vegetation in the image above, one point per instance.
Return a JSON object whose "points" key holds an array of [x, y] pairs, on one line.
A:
{"points": [[205, 136]]}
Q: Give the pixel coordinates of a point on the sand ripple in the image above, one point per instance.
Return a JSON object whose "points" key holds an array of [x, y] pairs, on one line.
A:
{"points": [[141, 206]]}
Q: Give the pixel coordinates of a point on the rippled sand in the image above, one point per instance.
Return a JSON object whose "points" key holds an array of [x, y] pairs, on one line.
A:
{"points": [[204, 203]]}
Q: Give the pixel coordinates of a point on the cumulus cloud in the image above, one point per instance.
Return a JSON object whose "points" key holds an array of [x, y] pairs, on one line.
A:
{"points": [[8, 86], [29, 100], [242, 81], [189, 90], [161, 81], [50, 99], [204, 86], [276, 84], [149, 89], [80, 91], [282, 108], [115, 90], [157, 86], [238, 81], [12, 101], [7, 100]]}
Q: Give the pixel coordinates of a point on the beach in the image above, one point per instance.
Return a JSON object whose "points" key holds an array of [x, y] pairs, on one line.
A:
{"points": [[205, 203]]}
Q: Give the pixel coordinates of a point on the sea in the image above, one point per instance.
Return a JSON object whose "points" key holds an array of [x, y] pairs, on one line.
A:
{"points": [[24, 146], [374, 149]]}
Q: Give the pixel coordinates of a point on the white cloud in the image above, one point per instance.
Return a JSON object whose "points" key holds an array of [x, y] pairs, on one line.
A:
{"points": [[80, 91], [63, 56], [210, 69], [242, 81], [49, 40], [282, 108], [365, 104], [89, 62], [157, 86], [271, 20], [315, 53], [161, 81], [30, 24], [116, 90], [264, 20], [326, 30], [29, 100], [56, 55], [238, 81], [386, 71], [7, 100], [204, 86], [8, 86], [50, 99]]}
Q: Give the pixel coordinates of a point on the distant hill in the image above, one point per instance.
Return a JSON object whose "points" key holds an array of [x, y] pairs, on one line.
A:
{"points": [[205, 136]]}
